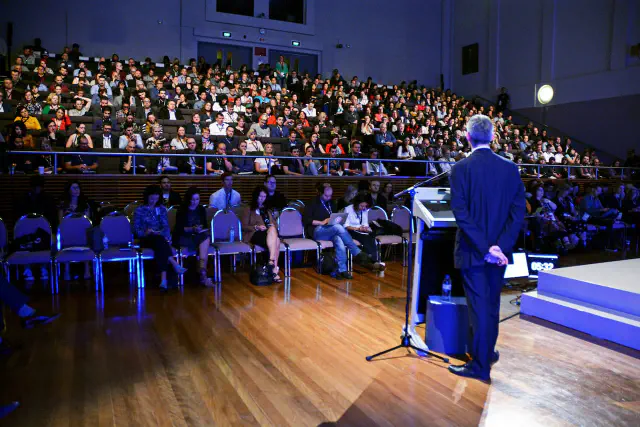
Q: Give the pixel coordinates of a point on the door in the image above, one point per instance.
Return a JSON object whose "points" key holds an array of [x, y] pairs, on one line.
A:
{"points": [[301, 62], [224, 54]]}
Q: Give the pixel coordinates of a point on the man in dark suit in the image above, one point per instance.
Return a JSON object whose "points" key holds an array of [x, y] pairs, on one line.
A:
{"points": [[488, 202], [170, 112]]}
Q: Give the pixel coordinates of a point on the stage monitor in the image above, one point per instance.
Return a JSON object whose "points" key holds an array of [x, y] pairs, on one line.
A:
{"points": [[541, 262]]}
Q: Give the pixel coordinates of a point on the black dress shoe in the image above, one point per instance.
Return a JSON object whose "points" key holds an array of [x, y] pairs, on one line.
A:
{"points": [[469, 370], [495, 357], [33, 321], [344, 275]]}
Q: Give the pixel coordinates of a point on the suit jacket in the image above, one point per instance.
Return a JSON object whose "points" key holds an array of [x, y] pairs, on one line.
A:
{"points": [[488, 202], [163, 114], [279, 133], [8, 108]]}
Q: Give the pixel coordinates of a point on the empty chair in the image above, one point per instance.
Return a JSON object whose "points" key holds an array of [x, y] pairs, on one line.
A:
{"points": [[226, 239], [31, 225], [402, 217], [131, 208], [291, 231], [211, 211], [117, 229], [73, 245]]}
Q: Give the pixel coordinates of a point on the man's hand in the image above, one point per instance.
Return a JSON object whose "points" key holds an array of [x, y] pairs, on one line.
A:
{"points": [[495, 256], [326, 221]]}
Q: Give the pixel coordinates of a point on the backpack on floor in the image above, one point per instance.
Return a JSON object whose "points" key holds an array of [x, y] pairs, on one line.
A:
{"points": [[328, 264]]}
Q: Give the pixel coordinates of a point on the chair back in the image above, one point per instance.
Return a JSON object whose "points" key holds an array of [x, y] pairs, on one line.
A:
{"points": [[117, 228], [73, 231], [221, 226], [376, 213], [290, 223], [3, 236], [401, 215], [172, 214], [211, 211], [28, 224], [131, 208]]}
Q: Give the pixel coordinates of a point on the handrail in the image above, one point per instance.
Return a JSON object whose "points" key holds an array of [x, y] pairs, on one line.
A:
{"points": [[555, 130], [537, 167]]}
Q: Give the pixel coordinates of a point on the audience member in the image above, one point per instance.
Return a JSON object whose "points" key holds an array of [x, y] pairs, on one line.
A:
{"points": [[316, 220], [357, 224], [191, 231], [151, 226], [259, 228], [226, 197]]}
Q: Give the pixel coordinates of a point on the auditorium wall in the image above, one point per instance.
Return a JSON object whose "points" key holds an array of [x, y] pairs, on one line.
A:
{"points": [[581, 47], [389, 41]]}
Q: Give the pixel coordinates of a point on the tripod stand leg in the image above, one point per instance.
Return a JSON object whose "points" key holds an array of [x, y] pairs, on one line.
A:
{"points": [[428, 353], [389, 350]]}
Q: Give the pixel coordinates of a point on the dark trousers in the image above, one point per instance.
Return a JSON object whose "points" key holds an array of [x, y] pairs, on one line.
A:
{"points": [[161, 250], [10, 296], [482, 287], [368, 243]]}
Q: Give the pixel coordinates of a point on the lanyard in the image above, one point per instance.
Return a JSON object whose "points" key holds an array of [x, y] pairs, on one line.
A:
{"points": [[327, 206], [359, 215], [229, 200]]}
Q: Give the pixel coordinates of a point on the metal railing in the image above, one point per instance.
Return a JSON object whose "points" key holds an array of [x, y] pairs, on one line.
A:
{"points": [[624, 172]]}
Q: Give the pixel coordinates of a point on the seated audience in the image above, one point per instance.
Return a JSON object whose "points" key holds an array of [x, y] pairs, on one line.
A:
{"points": [[357, 224], [81, 163], [23, 116], [192, 231], [219, 164], [166, 164], [151, 226], [127, 162], [316, 220], [372, 166], [226, 197], [259, 228], [355, 167]]}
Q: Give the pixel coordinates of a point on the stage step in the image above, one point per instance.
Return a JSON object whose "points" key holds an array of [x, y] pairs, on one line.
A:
{"points": [[612, 285], [598, 321]]}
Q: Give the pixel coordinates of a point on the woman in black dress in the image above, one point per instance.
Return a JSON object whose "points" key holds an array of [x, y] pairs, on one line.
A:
{"points": [[191, 230], [259, 228]]}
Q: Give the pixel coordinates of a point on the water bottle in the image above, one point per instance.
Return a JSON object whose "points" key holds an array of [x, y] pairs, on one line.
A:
{"points": [[446, 288], [105, 242], [193, 169], [232, 235], [160, 168]]}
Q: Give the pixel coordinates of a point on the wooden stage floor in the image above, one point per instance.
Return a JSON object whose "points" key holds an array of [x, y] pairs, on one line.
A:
{"points": [[294, 355]]}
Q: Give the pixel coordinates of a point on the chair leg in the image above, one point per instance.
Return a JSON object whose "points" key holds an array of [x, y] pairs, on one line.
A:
{"points": [[56, 278], [405, 252], [181, 263], [233, 261], [52, 280], [318, 259], [219, 267], [287, 262], [140, 272], [379, 250], [96, 274]]}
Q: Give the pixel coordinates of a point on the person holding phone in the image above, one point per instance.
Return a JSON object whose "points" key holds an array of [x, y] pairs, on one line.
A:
{"points": [[191, 231]]}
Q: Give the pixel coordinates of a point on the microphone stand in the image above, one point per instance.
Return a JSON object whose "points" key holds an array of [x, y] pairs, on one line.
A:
{"points": [[406, 336]]}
